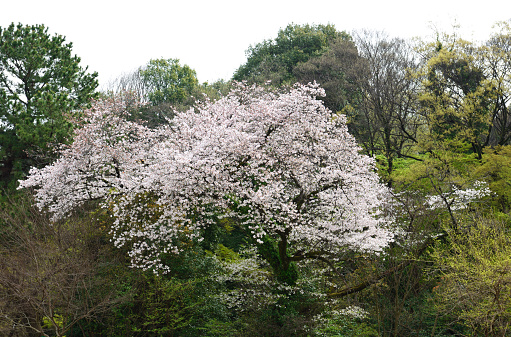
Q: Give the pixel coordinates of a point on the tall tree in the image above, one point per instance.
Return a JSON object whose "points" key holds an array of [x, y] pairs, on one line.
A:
{"points": [[278, 163], [167, 86], [339, 71], [457, 98], [388, 122], [275, 59], [41, 86], [129, 82], [496, 56], [166, 81]]}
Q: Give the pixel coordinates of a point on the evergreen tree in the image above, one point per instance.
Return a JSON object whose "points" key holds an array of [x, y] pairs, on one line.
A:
{"points": [[41, 86]]}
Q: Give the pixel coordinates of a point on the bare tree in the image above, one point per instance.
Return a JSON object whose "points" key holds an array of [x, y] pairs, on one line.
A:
{"points": [[129, 82], [389, 96], [497, 60], [49, 273]]}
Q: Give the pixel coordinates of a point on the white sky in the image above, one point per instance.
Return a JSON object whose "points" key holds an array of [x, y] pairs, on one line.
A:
{"points": [[117, 36]]}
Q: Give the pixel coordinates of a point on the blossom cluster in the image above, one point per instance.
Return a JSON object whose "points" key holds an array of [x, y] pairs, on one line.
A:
{"points": [[458, 199], [337, 319], [277, 162]]}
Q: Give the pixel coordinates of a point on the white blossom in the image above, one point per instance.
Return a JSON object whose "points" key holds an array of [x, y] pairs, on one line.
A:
{"points": [[276, 162], [459, 199]]}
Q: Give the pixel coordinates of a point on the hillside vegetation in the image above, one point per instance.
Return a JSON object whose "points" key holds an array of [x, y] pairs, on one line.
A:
{"points": [[337, 185]]}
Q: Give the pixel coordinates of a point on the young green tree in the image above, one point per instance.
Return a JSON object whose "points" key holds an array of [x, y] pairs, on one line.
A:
{"points": [[457, 99], [476, 281], [41, 85], [167, 86], [495, 169], [166, 81]]}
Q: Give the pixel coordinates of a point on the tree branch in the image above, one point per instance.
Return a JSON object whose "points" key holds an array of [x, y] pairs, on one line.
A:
{"points": [[361, 286]]}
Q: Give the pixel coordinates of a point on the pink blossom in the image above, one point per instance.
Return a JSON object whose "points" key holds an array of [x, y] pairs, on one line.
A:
{"points": [[277, 162]]}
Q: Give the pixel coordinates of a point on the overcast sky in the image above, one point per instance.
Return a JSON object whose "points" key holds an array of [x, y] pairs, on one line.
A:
{"points": [[114, 37]]}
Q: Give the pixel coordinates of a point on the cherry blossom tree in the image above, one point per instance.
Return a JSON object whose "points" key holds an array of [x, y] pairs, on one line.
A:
{"points": [[279, 163]]}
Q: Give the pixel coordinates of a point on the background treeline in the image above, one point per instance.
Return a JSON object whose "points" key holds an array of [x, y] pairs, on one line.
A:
{"points": [[434, 114]]}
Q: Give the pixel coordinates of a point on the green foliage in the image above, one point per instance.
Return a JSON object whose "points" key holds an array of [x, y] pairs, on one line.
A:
{"points": [[401, 167], [216, 328], [41, 88], [291, 315], [458, 99], [226, 254], [170, 305], [346, 327], [56, 319], [285, 272], [401, 304], [496, 170], [340, 71], [183, 303], [167, 81], [275, 59], [476, 276], [445, 165], [168, 86]]}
